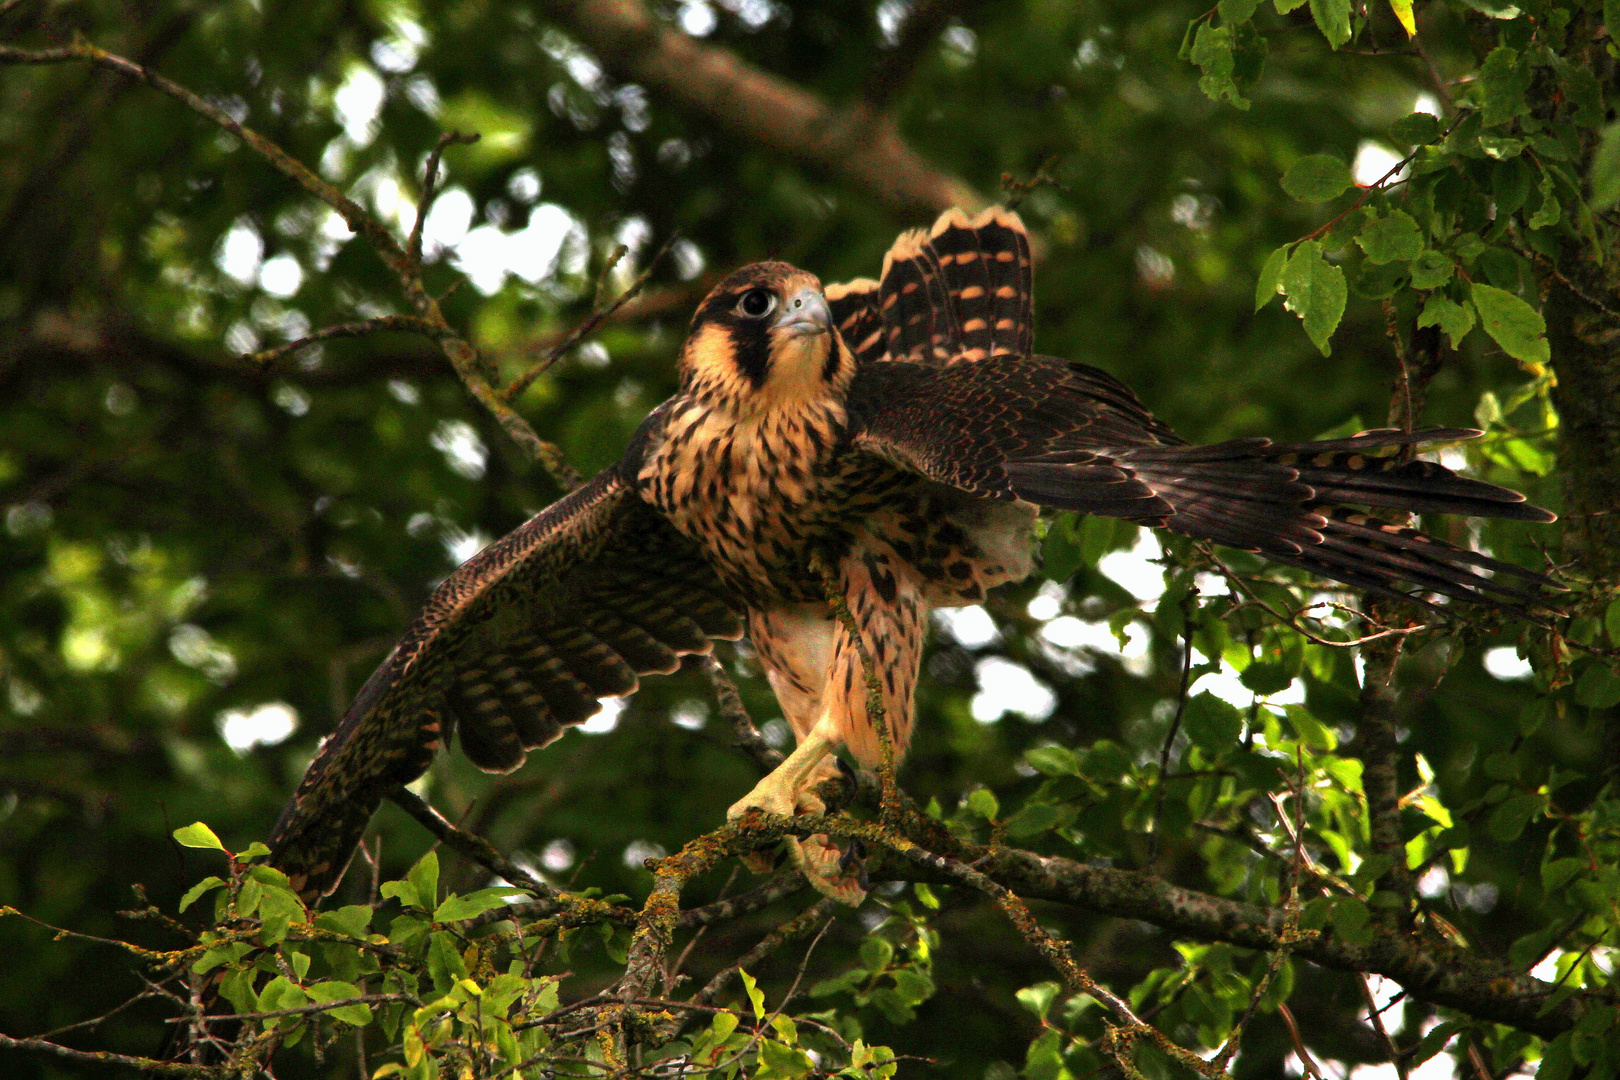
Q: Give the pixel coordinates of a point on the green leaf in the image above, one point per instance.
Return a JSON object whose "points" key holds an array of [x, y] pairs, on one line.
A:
{"points": [[913, 986], [1038, 998], [1391, 238], [1333, 19], [358, 1013], [1430, 270], [1316, 292], [983, 802], [445, 963], [1213, 53], [1061, 554], [1496, 9], [1558, 1059], [1032, 819], [1504, 78], [1270, 276], [1550, 210], [1501, 147], [756, 996], [255, 850], [1056, 760], [1311, 731], [1403, 15], [1559, 872], [1598, 688], [1212, 723], [1611, 622], [876, 952], [1453, 318], [352, 919], [1510, 186], [456, 908], [1285, 6], [197, 835], [197, 890], [1515, 325], [784, 1061], [424, 877], [1317, 178], [1606, 169], [1509, 819], [1236, 11], [1434, 1042], [1416, 129]]}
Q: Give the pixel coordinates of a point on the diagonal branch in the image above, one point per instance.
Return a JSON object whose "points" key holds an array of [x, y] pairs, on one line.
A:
{"points": [[760, 107], [460, 352]]}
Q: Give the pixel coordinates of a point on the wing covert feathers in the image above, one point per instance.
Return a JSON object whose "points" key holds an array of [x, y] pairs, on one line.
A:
{"points": [[519, 643], [1073, 438], [962, 290]]}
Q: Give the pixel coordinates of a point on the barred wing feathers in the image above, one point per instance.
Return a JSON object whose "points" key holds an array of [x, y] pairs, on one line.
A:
{"points": [[519, 643], [1072, 437], [962, 290]]}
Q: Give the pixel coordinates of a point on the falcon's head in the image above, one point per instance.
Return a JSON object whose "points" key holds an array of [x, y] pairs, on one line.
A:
{"points": [[764, 338]]}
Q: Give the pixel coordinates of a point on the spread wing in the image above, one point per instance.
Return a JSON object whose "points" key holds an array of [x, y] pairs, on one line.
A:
{"points": [[519, 643], [1071, 437], [962, 290]]}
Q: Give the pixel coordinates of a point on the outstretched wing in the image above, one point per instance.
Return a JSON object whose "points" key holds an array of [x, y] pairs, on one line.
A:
{"points": [[1071, 437], [519, 643], [962, 290]]}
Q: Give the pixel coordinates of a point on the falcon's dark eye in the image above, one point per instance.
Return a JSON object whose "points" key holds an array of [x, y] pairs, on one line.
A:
{"points": [[756, 303]]}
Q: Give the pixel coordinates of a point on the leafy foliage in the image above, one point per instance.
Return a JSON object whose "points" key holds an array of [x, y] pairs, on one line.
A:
{"points": [[194, 539]]}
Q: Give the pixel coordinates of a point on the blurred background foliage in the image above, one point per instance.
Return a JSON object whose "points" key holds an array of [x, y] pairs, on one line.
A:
{"points": [[201, 558]]}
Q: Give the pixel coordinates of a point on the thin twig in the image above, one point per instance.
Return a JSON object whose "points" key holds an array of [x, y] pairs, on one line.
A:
{"points": [[468, 845], [430, 178], [1292, 620], [588, 326], [149, 1065], [1375, 1017], [795, 928], [318, 1007], [762, 896], [1305, 1058], [745, 734], [381, 325], [1187, 604]]}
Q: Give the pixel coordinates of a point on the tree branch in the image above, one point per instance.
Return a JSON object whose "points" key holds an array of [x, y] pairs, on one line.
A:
{"points": [[1441, 974], [921, 28], [460, 352], [756, 105], [150, 1066]]}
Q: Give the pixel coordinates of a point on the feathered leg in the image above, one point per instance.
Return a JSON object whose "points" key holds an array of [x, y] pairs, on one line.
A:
{"points": [[798, 645]]}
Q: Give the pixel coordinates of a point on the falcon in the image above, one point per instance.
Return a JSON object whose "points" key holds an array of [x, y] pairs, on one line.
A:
{"points": [[894, 440]]}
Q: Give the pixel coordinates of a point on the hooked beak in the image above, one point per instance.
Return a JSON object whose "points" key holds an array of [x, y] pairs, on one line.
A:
{"points": [[805, 314]]}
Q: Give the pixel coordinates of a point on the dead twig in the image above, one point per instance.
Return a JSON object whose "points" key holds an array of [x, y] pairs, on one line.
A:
{"points": [[588, 325]]}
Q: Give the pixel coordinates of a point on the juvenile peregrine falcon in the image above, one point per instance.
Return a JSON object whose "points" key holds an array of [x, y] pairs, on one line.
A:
{"points": [[902, 433]]}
